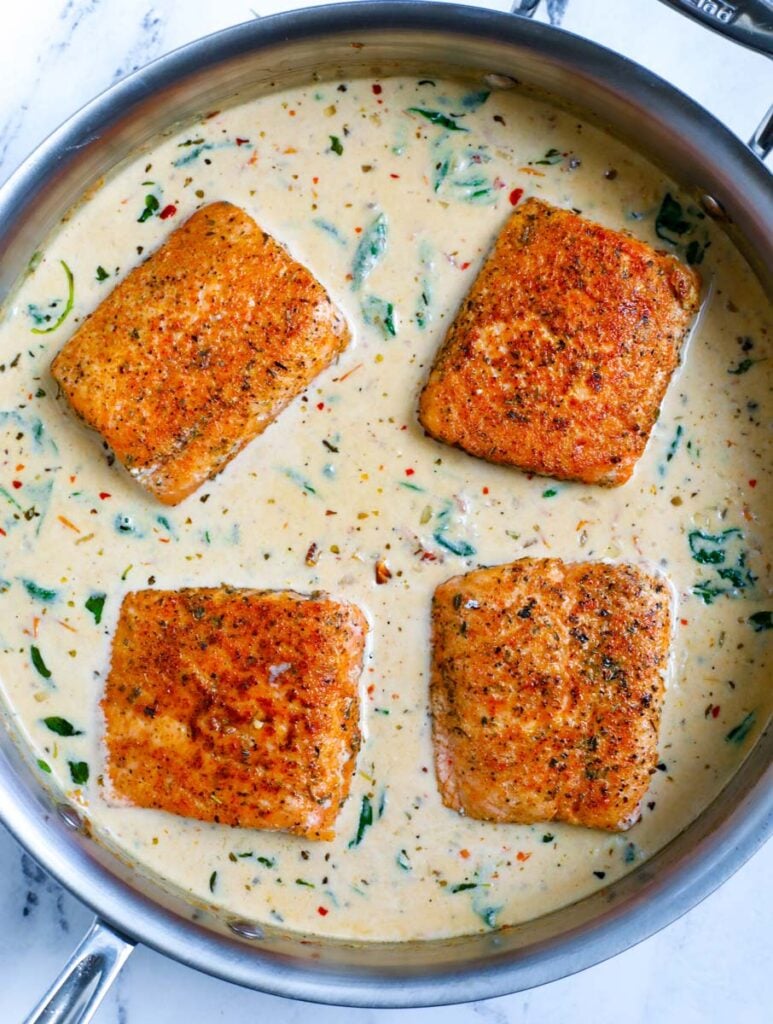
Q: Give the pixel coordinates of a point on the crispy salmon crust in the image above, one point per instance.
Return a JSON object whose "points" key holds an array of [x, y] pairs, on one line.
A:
{"points": [[198, 350], [546, 690], [236, 706], [560, 355]]}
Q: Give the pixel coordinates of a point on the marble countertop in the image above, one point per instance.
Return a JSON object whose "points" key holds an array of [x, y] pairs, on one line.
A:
{"points": [[710, 966]]}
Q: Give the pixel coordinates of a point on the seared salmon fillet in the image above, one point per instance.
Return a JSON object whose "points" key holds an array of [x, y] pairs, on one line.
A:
{"points": [[198, 350], [546, 690], [235, 706], [560, 355]]}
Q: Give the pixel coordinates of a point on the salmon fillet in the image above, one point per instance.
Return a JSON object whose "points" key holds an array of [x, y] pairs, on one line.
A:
{"points": [[546, 690], [235, 706], [560, 355], [198, 350]]}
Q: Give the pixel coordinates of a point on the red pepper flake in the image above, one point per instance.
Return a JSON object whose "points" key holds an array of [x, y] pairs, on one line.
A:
{"points": [[377, 90], [515, 196], [715, 711], [752, 483], [16, 484], [320, 406], [465, 854], [394, 175], [464, 266], [168, 211], [357, 231], [683, 621], [522, 856], [315, 181], [372, 689], [2, 531], [105, 494], [485, 490], [322, 911], [410, 472], [242, 142]]}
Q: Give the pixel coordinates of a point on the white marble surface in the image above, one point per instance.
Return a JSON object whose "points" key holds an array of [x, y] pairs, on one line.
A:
{"points": [[713, 964]]}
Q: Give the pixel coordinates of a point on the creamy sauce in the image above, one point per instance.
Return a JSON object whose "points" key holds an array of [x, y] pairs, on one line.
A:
{"points": [[347, 468]]}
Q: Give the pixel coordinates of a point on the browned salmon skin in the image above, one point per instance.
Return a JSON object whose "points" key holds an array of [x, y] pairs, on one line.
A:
{"points": [[235, 706], [546, 690], [198, 350], [560, 355]]}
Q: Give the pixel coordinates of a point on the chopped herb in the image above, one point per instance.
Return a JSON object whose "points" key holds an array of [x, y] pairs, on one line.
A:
{"points": [[95, 604], [463, 886], [370, 250], [402, 861], [335, 145], [267, 862], [411, 487], [553, 156], [67, 306], [739, 732], [488, 915], [61, 726], [151, 206], [551, 492], [79, 772], [300, 480], [212, 881], [38, 592], [600, 874], [742, 367], [629, 856], [102, 274], [44, 767], [329, 229], [425, 296], [436, 118], [302, 881], [366, 820], [674, 444], [199, 147], [761, 621], [548, 837], [37, 661], [695, 252], [473, 100], [670, 220], [379, 313], [456, 547], [707, 548]]}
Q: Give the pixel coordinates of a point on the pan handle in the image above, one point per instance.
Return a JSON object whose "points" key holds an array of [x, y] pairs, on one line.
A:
{"points": [[88, 974], [748, 22]]}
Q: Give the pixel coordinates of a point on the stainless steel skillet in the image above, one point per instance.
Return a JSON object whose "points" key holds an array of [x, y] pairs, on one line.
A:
{"points": [[732, 184]]}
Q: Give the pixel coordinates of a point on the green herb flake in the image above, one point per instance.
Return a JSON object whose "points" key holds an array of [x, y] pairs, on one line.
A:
{"points": [[212, 881], [548, 837], [96, 604], [151, 206], [302, 881], [44, 766], [38, 592], [551, 492], [742, 367], [379, 313], [463, 886], [366, 820], [79, 772], [102, 274], [739, 732], [436, 118], [761, 621], [474, 100], [457, 547], [61, 726], [670, 220], [553, 156], [708, 548], [67, 306], [403, 861], [370, 250], [37, 661], [335, 145], [267, 862]]}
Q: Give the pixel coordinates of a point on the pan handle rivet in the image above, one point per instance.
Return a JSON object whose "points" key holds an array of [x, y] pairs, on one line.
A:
{"points": [[246, 930], [70, 817], [713, 207]]}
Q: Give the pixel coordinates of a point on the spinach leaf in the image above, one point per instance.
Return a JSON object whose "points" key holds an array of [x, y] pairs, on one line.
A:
{"points": [[436, 118], [370, 251], [61, 726]]}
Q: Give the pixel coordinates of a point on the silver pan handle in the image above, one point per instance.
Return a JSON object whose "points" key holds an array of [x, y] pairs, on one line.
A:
{"points": [[748, 22], [85, 978]]}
